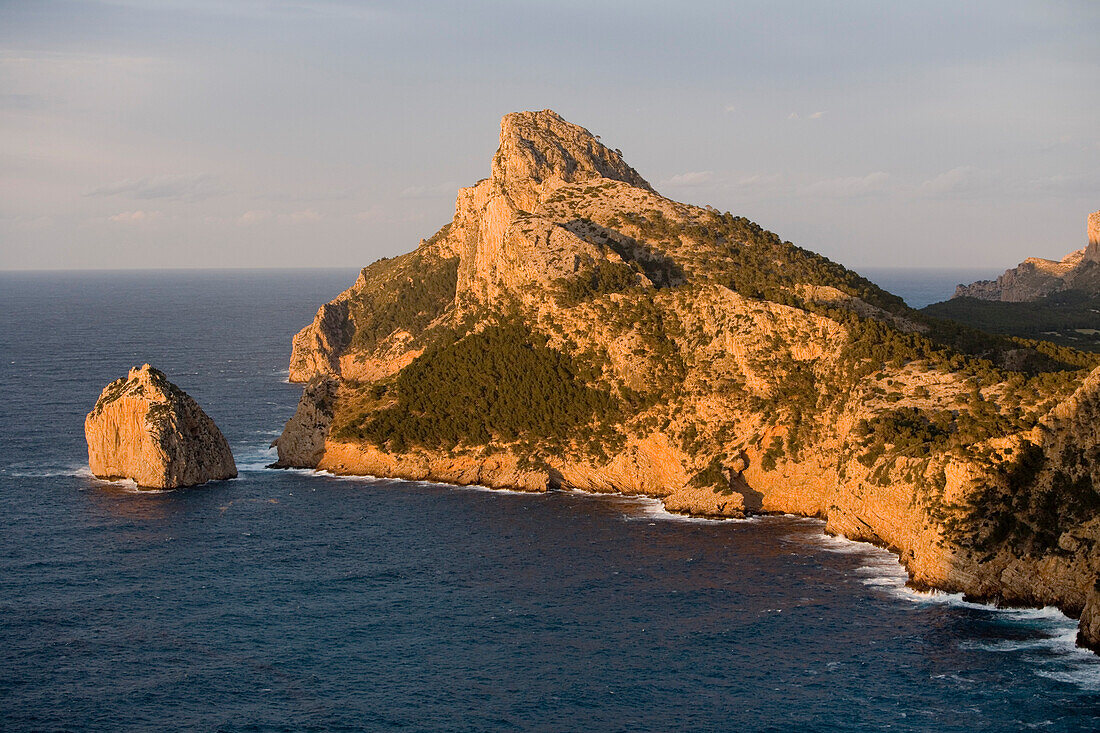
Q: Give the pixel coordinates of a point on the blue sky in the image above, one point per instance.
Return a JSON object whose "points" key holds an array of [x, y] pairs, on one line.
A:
{"points": [[258, 133]]}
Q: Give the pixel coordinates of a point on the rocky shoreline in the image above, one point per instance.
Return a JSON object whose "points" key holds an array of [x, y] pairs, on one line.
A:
{"points": [[571, 328], [1033, 586]]}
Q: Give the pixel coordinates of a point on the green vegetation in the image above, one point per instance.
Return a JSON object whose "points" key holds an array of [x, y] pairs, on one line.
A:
{"points": [[760, 265], [1033, 503], [907, 430], [600, 279], [713, 476], [501, 384], [1056, 318], [772, 454], [407, 292]]}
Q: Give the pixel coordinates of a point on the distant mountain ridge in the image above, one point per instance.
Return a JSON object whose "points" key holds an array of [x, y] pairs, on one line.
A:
{"points": [[1036, 278], [572, 328], [1038, 299]]}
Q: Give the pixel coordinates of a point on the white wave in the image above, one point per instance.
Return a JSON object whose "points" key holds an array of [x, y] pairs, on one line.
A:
{"points": [[255, 458], [479, 487], [1052, 643], [78, 470], [128, 485], [655, 509], [1084, 676], [839, 545]]}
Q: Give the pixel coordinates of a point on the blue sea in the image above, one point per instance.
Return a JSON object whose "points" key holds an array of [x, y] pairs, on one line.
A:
{"points": [[921, 286], [291, 601]]}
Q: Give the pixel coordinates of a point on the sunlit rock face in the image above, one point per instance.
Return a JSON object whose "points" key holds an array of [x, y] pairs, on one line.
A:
{"points": [[717, 368], [147, 429]]}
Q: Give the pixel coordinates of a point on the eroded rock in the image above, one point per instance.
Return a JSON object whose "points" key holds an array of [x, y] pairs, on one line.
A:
{"points": [[147, 429]]}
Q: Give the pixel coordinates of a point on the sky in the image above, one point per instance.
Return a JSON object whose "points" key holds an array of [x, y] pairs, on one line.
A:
{"points": [[316, 133]]}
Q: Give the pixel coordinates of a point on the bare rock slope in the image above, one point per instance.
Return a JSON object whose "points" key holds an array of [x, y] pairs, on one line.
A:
{"points": [[572, 328], [147, 429]]}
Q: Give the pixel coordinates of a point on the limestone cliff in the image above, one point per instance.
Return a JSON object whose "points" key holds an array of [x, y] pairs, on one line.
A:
{"points": [[147, 429], [572, 328], [1036, 278]]}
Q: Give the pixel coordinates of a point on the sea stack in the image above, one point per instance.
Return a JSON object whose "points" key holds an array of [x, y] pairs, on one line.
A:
{"points": [[147, 429]]}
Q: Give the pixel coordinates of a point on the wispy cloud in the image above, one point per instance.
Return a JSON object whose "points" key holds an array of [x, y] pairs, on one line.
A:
{"points": [[690, 179], [254, 216], [849, 186], [1064, 184], [300, 217], [447, 188], [178, 187], [135, 217], [333, 9], [961, 180]]}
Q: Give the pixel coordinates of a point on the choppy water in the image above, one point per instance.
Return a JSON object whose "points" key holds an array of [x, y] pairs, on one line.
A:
{"points": [[921, 286], [293, 601]]}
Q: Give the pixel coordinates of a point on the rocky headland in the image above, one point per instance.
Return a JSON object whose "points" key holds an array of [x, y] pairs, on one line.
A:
{"points": [[147, 429], [572, 328], [1037, 278]]}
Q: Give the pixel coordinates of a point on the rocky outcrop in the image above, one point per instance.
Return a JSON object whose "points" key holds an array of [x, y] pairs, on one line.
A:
{"points": [[731, 372], [1036, 278], [1092, 251], [302, 442], [500, 243], [1089, 634], [147, 429]]}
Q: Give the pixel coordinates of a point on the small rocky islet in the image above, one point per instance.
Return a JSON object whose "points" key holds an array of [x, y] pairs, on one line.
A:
{"points": [[147, 429]]}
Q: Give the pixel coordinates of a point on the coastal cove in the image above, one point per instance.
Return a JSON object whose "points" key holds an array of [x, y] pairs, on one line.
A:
{"points": [[292, 599]]}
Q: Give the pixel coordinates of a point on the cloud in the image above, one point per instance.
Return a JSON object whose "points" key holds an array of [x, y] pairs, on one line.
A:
{"points": [[758, 180], [848, 186], [29, 223], [175, 187], [960, 180], [253, 217], [691, 179], [1063, 184], [261, 9], [286, 197], [447, 188], [134, 217], [300, 217]]}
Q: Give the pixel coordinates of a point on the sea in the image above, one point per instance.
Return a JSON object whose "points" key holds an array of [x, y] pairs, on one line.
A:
{"points": [[301, 601]]}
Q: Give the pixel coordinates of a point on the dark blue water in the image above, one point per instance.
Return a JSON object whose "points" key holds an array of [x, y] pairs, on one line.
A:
{"points": [[291, 601], [921, 286]]}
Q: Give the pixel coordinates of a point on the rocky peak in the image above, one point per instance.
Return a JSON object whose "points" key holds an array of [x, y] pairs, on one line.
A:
{"points": [[500, 240], [1092, 251], [539, 148]]}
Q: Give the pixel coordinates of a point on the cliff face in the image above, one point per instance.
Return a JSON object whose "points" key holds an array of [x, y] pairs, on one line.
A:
{"points": [[571, 328], [1036, 278], [147, 429]]}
